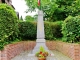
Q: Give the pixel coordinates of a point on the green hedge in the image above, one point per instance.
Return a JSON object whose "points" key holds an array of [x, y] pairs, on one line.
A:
{"points": [[56, 29], [48, 31], [8, 24], [28, 30], [71, 29]]}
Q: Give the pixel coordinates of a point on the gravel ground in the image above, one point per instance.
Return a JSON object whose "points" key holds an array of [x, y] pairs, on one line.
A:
{"points": [[57, 55]]}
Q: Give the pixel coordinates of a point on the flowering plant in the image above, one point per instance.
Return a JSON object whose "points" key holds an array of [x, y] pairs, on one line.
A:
{"points": [[42, 53]]}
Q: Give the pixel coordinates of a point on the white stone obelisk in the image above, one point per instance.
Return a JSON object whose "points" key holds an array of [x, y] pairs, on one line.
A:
{"points": [[40, 41], [40, 27]]}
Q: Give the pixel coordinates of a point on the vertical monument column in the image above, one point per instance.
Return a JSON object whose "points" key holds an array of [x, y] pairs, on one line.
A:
{"points": [[40, 27], [40, 41]]}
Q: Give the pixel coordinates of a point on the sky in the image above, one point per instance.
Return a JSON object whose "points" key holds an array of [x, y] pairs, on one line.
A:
{"points": [[21, 7]]}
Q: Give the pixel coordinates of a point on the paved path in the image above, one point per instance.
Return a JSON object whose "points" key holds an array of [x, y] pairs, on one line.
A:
{"points": [[22, 56], [58, 56]]}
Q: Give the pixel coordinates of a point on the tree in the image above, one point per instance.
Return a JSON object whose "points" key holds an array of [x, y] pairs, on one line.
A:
{"points": [[56, 9], [29, 18], [21, 18], [48, 6], [35, 17], [66, 8]]}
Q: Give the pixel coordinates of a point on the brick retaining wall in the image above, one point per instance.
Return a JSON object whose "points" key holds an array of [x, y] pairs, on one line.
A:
{"points": [[69, 49], [51, 45], [11, 50]]}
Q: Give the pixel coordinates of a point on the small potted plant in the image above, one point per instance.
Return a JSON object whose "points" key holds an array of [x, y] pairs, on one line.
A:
{"points": [[41, 54]]}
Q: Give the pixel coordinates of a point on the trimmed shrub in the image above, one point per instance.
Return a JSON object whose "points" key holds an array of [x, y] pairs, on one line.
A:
{"points": [[28, 30], [48, 31], [71, 29], [8, 24], [56, 29]]}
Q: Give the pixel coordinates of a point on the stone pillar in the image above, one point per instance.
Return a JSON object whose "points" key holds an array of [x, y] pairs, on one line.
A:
{"points": [[40, 26], [40, 41]]}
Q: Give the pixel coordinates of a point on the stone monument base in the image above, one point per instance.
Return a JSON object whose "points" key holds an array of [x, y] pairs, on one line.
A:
{"points": [[40, 42]]}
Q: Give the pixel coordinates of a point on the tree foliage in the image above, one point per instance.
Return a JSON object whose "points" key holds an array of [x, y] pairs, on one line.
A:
{"points": [[21, 18], [46, 5], [56, 9], [29, 18]]}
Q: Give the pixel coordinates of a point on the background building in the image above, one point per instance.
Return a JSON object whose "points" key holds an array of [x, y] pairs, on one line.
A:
{"points": [[9, 2]]}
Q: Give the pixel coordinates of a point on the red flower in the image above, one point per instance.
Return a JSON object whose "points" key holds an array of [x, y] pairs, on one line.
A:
{"points": [[40, 52]]}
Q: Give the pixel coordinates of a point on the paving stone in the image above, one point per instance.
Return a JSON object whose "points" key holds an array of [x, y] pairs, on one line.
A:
{"points": [[57, 56]]}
